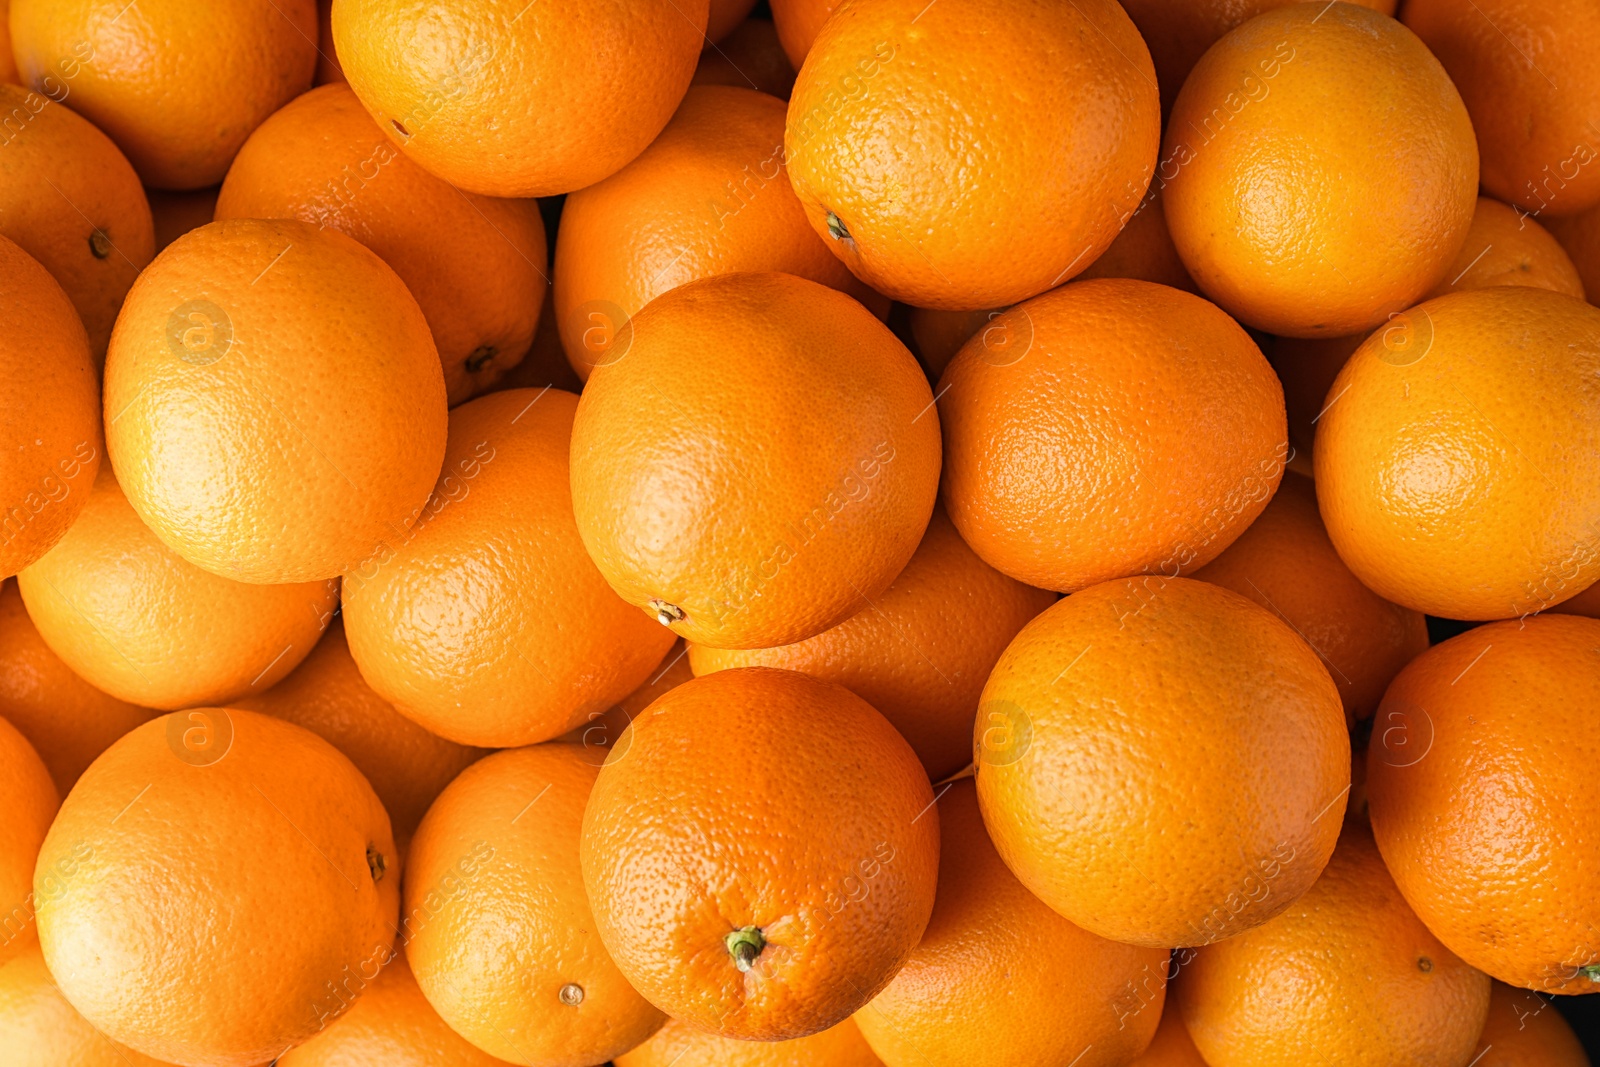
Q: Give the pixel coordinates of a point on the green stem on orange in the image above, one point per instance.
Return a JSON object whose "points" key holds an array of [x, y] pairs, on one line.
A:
{"points": [[744, 945]]}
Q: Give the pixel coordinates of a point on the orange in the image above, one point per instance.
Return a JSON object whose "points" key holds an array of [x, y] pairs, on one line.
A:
{"points": [[1346, 975], [939, 335], [604, 729], [1584, 603], [212, 859], [1285, 563], [489, 625], [1525, 1030], [749, 57], [133, 619], [1580, 235], [1458, 465], [693, 856], [1000, 978], [508, 98], [1108, 428], [798, 22], [1531, 87], [1477, 788], [476, 264], [1506, 246], [328, 69], [50, 435], [68, 721], [763, 460], [496, 921], [679, 1045], [708, 197], [723, 16], [919, 653], [406, 765], [1183, 709], [29, 799], [1143, 249], [1307, 367], [176, 213], [178, 86], [71, 201], [953, 169], [1260, 174], [546, 361], [8, 64], [38, 1028], [1172, 1046], [243, 445]]}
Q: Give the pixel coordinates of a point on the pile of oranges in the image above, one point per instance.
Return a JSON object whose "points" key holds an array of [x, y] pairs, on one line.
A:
{"points": [[844, 533]]}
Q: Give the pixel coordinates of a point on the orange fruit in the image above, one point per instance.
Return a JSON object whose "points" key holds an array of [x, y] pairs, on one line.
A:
{"points": [[38, 1028], [1180, 707], [691, 864], [1458, 465], [546, 362], [707, 197], [211, 859], [749, 57], [763, 460], [723, 16], [406, 765], [1525, 1030], [1348, 974], [1580, 236], [497, 924], [798, 22], [1000, 978], [1506, 246], [540, 642], [492, 97], [71, 201], [1143, 249], [939, 335], [919, 653], [133, 619], [1285, 563], [679, 1045], [1477, 788], [1307, 367], [51, 442], [29, 799], [1584, 603], [237, 439], [1073, 440], [68, 721], [476, 264], [604, 729], [1259, 173], [1172, 1046], [8, 64], [178, 87], [1538, 141], [1061, 98], [328, 69], [176, 213]]}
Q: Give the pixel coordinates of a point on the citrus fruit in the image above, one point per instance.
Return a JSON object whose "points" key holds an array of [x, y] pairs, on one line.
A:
{"points": [[749, 57], [328, 69], [1143, 249], [919, 653], [1584, 603], [938, 335], [679, 1045], [1181, 707], [1458, 463], [1580, 235], [132, 618], [723, 16], [1477, 788], [690, 859], [1172, 1046], [178, 86], [210, 859], [707, 197], [1306, 367], [1259, 172], [29, 800], [1000, 978], [889, 111], [176, 213], [1108, 428], [38, 1028], [510, 98], [1348, 972], [237, 439], [798, 22], [496, 921], [603, 730], [1506, 246], [541, 641], [762, 462], [1525, 1030], [476, 264]]}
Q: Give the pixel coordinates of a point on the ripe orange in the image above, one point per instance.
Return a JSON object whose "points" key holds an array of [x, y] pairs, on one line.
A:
{"points": [[179, 86], [1307, 367], [29, 799], [919, 653], [1000, 978], [749, 57], [953, 169], [1285, 563], [1144, 250], [546, 361], [723, 16], [1172, 1046], [708, 197], [133, 619], [1506, 246], [539, 641], [509, 98], [496, 921], [1525, 1030], [1458, 466], [763, 460], [211, 859], [8, 64], [1584, 603], [1478, 792], [939, 335], [691, 861], [1109, 428], [604, 729], [68, 721], [1184, 709], [242, 444], [176, 213], [38, 1028], [1348, 975], [476, 264], [1580, 236], [1260, 174], [680, 1045], [798, 22], [328, 69], [71, 201], [50, 434]]}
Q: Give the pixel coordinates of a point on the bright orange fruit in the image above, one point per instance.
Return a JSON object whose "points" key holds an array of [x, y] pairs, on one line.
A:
{"points": [[1526, 1030], [38, 1028], [1172, 1046], [680, 1045], [29, 799], [1505, 246], [749, 57]]}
